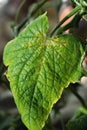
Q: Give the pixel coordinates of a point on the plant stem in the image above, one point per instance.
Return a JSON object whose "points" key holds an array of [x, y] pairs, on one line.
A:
{"points": [[73, 12], [18, 10], [72, 24], [39, 5], [18, 27], [78, 96]]}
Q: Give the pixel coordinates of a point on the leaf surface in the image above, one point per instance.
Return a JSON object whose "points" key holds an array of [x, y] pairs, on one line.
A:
{"points": [[39, 68]]}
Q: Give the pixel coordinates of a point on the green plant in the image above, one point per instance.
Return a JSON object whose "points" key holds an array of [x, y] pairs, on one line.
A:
{"points": [[41, 65]]}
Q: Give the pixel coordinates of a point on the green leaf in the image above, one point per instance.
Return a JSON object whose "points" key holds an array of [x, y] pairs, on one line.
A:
{"points": [[39, 68], [78, 121]]}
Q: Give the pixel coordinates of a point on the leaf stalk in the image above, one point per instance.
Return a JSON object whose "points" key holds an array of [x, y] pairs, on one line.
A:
{"points": [[73, 12]]}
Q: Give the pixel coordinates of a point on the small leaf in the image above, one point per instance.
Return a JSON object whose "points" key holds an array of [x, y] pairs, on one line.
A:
{"points": [[78, 121], [39, 68]]}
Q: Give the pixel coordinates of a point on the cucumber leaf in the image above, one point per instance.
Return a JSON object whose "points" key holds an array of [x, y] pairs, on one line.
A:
{"points": [[39, 68]]}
